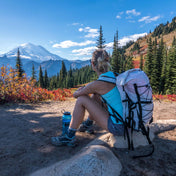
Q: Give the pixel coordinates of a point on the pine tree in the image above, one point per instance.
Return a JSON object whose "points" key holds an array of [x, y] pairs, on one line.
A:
{"points": [[141, 62], [33, 73], [46, 81], [69, 79], [155, 73], [122, 63], [57, 81], [19, 69], [148, 61], [129, 63], [163, 72], [62, 76], [100, 40], [170, 83], [53, 83], [174, 42], [41, 82], [116, 60], [173, 69]]}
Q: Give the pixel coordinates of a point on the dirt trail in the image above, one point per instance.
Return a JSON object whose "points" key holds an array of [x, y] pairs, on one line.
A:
{"points": [[26, 130]]}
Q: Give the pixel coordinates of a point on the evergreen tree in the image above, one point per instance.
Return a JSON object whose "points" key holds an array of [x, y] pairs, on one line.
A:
{"points": [[33, 73], [69, 79], [62, 76], [122, 63], [170, 83], [155, 74], [41, 82], [136, 47], [57, 81], [173, 70], [163, 72], [141, 62], [158, 53], [46, 80], [129, 63], [174, 42], [148, 61], [100, 40], [19, 69], [53, 83], [116, 60], [168, 80]]}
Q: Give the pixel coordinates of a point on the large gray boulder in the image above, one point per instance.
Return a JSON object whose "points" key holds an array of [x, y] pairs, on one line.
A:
{"points": [[95, 160], [138, 140]]}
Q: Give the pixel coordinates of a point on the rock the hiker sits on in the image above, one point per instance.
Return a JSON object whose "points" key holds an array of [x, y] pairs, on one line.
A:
{"points": [[93, 104]]}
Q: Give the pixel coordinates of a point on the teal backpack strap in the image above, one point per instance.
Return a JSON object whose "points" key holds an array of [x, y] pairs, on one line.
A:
{"points": [[107, 79]]}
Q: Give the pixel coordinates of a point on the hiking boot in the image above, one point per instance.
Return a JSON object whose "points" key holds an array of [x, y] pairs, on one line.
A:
{"points": [[86, 128], [63, 140]]}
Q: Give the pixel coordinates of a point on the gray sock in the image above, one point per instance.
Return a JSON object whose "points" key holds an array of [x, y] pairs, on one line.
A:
{"points": [[71, 132], [88, 122]]}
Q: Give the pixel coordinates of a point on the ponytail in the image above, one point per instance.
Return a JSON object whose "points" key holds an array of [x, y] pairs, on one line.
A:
{"points": [[100, 59]]}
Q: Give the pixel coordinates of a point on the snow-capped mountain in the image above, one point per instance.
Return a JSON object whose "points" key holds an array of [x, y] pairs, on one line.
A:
{"points": [[33, 52]]}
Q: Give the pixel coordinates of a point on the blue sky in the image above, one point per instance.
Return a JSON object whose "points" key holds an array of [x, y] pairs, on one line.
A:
{"points": [[69, 28]]}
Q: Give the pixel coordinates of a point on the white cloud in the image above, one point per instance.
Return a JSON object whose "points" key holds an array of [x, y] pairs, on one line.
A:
{"points": [[125, 39], [69, 43], [154, 18], [84, 51], [118, 16], [133, 12], [148, 19], [109, 45], [144, 18], [77, 24], [86, 58], [80, 29], [91, 33], [134, 37]]}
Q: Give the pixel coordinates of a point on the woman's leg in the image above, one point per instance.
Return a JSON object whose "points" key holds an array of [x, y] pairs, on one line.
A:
{"points": [[95, 110], [97, 98], [97, 113]]}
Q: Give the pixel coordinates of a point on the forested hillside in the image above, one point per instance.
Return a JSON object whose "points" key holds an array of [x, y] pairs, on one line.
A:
{"points": [[156, 55]]}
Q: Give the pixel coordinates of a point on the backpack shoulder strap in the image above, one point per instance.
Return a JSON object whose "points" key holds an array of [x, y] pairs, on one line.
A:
{"points": [[107, 78]]}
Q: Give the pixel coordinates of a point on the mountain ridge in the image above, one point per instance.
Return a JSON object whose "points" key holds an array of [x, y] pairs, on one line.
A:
{"points": [[166, 31], [35, 54]]}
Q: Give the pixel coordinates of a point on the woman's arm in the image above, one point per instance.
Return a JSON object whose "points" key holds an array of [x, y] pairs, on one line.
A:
{"points": [[95, 87], [86, 90]]}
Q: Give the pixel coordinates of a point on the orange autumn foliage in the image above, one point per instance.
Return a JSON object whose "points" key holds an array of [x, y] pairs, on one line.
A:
{"points": [[14, 89]]}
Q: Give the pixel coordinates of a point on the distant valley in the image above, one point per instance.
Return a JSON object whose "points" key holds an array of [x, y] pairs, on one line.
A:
{"points": [[32, 54]]}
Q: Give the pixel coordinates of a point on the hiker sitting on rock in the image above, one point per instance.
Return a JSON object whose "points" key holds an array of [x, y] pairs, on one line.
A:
{"points": [[100, 90]]}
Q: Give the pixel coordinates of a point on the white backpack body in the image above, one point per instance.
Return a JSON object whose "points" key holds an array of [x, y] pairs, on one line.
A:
{"points": [[138, 103]]}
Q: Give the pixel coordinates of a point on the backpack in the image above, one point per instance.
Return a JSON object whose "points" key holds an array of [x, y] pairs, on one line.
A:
{"points": [[137, 102]]}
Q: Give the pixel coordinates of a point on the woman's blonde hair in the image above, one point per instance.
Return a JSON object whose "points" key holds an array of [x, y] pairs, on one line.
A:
{"points": [[100, 59]]}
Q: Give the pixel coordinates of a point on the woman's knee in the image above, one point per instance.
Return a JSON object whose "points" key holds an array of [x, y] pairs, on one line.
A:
{"points": [[82, 99], [96, 97]]}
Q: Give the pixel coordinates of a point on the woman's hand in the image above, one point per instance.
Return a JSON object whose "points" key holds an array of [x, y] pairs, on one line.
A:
{"points": [[76, 93], [90, 88], [80, 88]]}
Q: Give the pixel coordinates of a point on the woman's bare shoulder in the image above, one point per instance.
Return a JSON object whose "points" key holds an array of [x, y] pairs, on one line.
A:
{"points": [[102, 87]]}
